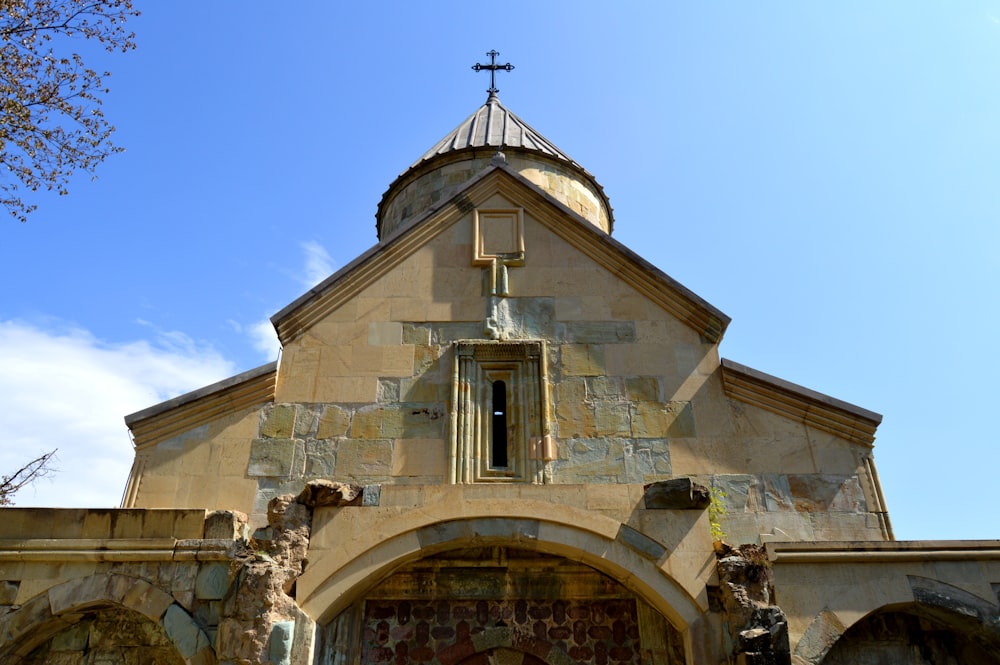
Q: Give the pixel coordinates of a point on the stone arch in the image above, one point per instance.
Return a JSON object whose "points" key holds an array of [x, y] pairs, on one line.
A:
{"points": [[54, 610], [630, 558], [973, 622]]}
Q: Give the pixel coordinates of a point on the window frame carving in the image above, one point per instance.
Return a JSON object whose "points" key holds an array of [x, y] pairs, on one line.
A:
{"points": [[478, 364]]}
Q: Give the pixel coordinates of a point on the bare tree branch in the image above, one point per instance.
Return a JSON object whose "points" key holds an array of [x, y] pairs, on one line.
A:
{"points": [[51, 122], [40, 467]]}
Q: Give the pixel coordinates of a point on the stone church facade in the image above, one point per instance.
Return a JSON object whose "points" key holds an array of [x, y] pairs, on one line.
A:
{"points": [[498, 436]]}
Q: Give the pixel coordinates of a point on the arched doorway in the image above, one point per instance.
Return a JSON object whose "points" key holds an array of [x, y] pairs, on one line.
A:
{"points": [[916, 634], [499, 605], [113, 619], [107, 635]]}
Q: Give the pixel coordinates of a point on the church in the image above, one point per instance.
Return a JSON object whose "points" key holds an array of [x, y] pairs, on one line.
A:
{"points": [[497, 437]]}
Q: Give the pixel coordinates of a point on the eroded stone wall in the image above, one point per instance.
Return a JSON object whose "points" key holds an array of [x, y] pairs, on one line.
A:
{"points": [[109, 637]]}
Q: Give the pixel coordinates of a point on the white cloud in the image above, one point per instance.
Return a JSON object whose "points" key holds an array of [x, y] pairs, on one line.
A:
{"points": [[264, 339], [63, 388], [318, 266]]}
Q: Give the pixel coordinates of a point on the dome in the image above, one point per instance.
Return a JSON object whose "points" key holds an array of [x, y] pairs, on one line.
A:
{"points": [[468, 150]]}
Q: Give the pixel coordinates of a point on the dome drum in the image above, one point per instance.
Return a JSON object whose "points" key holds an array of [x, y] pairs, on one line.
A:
{"points": [[470, 149]]}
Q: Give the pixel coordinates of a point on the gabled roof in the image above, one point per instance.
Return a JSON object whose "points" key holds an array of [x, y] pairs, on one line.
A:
{"points": [[800, 404], [177, 415], [669, 294]]}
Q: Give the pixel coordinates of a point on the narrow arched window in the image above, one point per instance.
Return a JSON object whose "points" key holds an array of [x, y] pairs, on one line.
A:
{"points": [[498, 451]]}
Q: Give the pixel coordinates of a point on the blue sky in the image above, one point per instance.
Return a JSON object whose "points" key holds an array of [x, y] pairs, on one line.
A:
{"points": [[825, 173]]}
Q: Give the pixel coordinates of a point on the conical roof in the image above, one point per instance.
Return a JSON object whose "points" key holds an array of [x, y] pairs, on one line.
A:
{"points": [[493, 125], [470, 148]]}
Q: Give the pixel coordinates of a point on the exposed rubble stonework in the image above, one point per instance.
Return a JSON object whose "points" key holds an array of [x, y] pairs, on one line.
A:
{"points": [[261, 613], [498, 437], [756, 629]]}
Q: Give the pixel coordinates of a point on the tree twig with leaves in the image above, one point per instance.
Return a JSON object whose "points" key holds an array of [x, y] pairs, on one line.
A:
{"points": [[51, 122], [40, 467]]}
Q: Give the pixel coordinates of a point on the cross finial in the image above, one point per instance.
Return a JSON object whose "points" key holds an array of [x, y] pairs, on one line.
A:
{"points": [[493, 67]]}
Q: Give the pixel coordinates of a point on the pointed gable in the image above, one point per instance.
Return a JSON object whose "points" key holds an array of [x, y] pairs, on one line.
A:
{"points": [[666, 292]]}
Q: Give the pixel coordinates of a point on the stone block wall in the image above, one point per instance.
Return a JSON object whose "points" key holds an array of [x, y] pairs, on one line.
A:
{"points": [[634, 395], [119, 587], [428, 189], [114, 586]]}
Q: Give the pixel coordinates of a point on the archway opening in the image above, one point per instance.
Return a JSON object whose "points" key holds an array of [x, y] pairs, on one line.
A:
{"points": [[915, 634], [446, 608], [109, 635]]}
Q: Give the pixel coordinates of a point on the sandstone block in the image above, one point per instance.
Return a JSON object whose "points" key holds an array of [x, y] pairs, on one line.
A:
{"points": [[611, 419], [387, 391], [279, 422], [823, 492], [364, 458], [345, 389], [416, 334], [600, 332], [643, 388], [424, 388], [526, 318], [568, 309], [681, 419], [334, 422], [384, 333], [659, 452], [419, 457], [377, 422], [321, 459], [275, 457], [225, 525], [575, 419], [649, 420], [604, 387], [582, 359], [422, 421]]}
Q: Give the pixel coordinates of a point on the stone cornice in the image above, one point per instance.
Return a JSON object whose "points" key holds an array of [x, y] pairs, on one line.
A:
{"points": [[167, 419], [792, 401], [330, 294], [922, 551], [628, 266], [115, 549]]}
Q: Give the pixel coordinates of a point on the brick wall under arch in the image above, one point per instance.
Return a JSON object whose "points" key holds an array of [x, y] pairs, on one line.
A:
{"points": [[452, 603], [337, 576]]}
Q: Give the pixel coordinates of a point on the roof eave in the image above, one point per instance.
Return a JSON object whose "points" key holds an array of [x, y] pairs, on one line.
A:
{"points": [[818, 410], [667, 292], [244, 390]]}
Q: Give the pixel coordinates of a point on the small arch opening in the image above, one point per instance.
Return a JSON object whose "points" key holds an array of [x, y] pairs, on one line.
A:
{"points": [[498, 449]]}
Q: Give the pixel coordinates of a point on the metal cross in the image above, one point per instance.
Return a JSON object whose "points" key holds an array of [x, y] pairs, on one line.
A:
{"points": [[493, 67]]}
